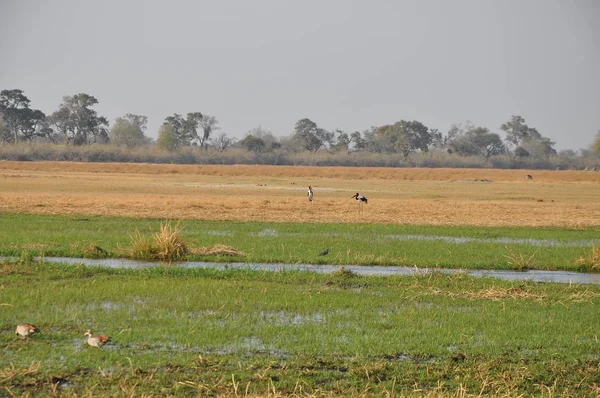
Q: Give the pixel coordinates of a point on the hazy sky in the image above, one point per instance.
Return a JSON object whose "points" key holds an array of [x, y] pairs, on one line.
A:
{"points": [[341, 63]]}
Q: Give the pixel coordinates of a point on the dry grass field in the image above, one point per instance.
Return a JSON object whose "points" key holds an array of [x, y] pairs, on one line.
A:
{"points": [[479, 197]]}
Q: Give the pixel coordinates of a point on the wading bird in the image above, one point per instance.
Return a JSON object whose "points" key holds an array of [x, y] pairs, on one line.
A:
{"points": [[310, 194], [26, 329], [96, 340], [361, 199], [358, 196]]}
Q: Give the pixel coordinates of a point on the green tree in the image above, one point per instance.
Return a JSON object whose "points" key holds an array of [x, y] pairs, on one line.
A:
{"points": [[308, 136], [404, 137], [484, 142], [167, 139], [541, 148], [185, 129], [78, 122], [31, 122], [19, 119], [516, 130], [342, 141], [128, 131], [253, 144], [271, 142], [528, 139], [471, 140], [359, 143]]}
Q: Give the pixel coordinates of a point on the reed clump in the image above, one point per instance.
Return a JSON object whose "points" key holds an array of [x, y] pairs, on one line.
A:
{"points": [[592, 261], [164, 245]]}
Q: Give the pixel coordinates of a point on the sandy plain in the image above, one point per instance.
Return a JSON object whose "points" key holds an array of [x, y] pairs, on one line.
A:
{"points": [[477, 197]]}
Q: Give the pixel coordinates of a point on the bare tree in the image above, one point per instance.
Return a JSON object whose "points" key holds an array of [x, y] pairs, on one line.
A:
{"points": [[223, 142]]}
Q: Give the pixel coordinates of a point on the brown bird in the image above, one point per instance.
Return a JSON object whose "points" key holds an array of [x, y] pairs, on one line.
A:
{"points": [[26, 329], [96, 340]]}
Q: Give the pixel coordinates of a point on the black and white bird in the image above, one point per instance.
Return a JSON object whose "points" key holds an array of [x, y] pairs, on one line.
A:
{"points": [[310, 194], [358, 196], [324, 252]]}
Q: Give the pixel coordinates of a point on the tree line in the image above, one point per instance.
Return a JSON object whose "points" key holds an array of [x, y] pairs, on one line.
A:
{"points": [[77, 123]]}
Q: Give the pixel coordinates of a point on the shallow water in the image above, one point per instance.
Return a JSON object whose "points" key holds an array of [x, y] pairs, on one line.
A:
{"points": [[533, 275]]}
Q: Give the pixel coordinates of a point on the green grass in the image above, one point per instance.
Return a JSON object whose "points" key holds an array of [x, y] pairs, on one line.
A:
{"points": [[202, 331], [364, 244]]}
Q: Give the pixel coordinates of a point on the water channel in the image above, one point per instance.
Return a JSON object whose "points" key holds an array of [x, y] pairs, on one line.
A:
{"points": [[531, 275]]}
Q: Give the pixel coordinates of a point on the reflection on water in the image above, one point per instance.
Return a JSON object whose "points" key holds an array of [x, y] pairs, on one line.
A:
{"points": [[533, 275]]}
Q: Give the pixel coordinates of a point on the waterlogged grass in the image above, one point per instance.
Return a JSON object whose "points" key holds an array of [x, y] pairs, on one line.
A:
{"points": [[224, 333], [361, 244]]}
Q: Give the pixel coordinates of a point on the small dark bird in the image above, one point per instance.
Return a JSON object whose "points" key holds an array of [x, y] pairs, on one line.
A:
{"points": [[324, 252], [100, 250], [358, 196]]}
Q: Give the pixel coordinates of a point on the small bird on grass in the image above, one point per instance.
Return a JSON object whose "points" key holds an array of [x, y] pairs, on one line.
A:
{"points": [[324, 252], [96, 340], [26, 329]]}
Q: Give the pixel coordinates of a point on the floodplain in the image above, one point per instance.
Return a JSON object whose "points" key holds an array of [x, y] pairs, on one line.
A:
{"points": [[210, 332]]}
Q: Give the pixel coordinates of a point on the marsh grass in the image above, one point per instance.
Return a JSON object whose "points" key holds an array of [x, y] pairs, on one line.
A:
{"points": [[592, 261], [519, 261], [264, 242], [184, 332]]}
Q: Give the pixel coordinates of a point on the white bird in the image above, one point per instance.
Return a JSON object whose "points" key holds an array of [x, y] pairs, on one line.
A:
{"points": [[96, 340], [310, 194], [26, 329]]}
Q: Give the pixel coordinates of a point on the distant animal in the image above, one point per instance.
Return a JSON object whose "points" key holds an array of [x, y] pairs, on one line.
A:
{"points": [[529, 177], [26, 329], [96, 340], [358, 196], [310, 193], [324, 252]]}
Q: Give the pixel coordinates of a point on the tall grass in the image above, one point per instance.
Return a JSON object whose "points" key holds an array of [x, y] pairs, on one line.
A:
{"points": [[164, 245]]}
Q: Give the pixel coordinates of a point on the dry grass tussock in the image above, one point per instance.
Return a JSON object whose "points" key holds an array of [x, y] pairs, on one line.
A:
{"points": [[592, 261], [278, 194], [165, 245], [10, 372], [217, 250], [493, 293]]}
